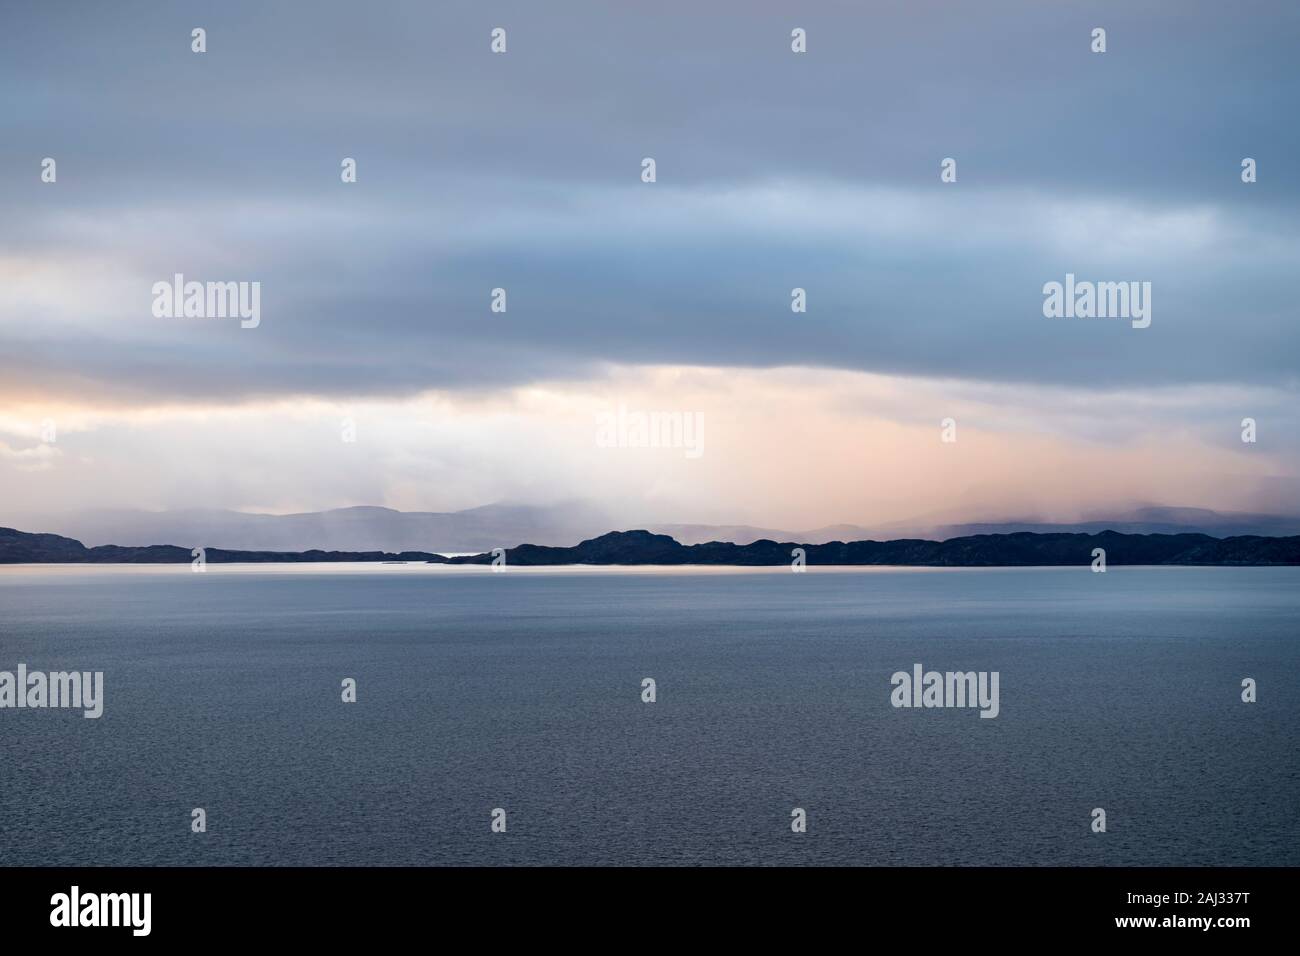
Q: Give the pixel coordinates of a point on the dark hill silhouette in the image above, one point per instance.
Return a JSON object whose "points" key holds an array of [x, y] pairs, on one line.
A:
{"points": [[1022, 549], [985, 550]]}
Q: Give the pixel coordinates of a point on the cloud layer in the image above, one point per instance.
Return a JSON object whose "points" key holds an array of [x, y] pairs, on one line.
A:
{"points": [[522, 171]]}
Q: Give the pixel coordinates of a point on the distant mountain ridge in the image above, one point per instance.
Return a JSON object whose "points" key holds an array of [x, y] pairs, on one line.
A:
{"points": [[1146, 520], [365, 528], [361, 528], [1021, 549]]}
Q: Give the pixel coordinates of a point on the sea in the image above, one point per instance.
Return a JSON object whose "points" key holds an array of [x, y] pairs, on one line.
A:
{"points": [[505, 718]]}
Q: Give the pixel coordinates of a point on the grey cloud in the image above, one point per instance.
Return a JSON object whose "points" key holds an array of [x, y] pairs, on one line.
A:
{"points": [[521, 171]]}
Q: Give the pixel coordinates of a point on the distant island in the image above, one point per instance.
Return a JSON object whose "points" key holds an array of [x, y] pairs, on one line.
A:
{"points": [[1021, 549]]}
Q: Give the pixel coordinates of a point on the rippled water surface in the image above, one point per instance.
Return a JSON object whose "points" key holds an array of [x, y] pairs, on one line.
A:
{"points": [[522, 690]]}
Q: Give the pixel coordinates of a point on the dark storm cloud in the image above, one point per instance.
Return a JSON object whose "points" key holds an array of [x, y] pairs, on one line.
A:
{"points": [[522, 171]]}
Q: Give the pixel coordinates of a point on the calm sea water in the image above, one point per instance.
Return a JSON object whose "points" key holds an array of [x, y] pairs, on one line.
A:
{"points": [[523, 691]]}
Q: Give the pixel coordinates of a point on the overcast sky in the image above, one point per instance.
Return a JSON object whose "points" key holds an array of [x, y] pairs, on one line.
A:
{"points": [[774, 170]]}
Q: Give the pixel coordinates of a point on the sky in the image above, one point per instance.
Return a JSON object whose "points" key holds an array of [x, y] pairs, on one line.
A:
{"points": [[378, 373]]}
